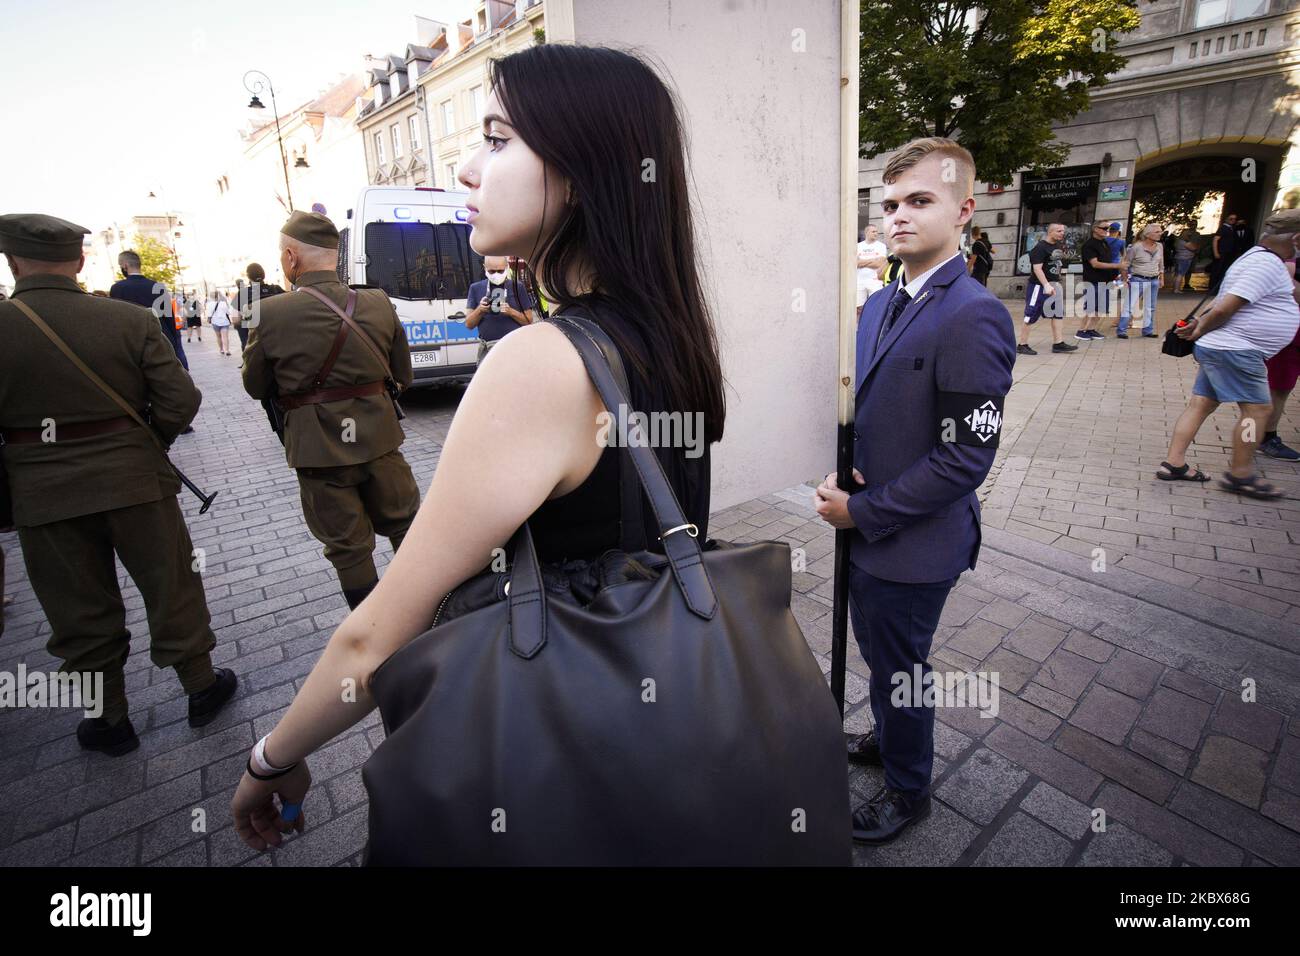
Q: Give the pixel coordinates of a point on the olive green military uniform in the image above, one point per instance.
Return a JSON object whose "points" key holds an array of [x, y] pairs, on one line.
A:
{"points": [[79, 501], [351, 473]]}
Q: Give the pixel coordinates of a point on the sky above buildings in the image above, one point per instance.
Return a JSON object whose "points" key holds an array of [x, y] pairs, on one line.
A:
{"points": [[110, 100]]}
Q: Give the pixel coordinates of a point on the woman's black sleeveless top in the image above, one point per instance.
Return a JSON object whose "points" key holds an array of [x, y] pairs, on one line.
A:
{"points": [[585, 522]]}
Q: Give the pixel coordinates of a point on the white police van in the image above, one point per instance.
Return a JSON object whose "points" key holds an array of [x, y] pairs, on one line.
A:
{"points": [[413, 242]]}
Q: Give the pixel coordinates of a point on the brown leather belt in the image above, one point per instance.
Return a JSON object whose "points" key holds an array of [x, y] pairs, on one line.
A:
{"points": [[320, 395], [31, 436]]}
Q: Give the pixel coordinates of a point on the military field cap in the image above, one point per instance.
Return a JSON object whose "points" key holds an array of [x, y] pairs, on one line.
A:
{"points": [[34, 236], [1283, 221], [313, 229]]}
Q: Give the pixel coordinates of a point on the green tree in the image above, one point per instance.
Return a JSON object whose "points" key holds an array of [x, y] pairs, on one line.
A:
{"points": [[157, 262], [1169, 207], [994, 76]]}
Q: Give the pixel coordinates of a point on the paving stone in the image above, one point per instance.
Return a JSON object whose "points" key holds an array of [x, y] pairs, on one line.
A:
{"points": [[1107, 714], [1175, 717], [1003, 612], [1191, 686], [1049, 700], [1066, 674], [977, 639], [981, 786], [1059, 811], [1013, 670], [1023, 841], [1024, 716], [1173, 832], [1252, 723], [1232, 768], [1166, 753], [1124, 766], [1283, 807], [1237, 824], [1130, 674], [1063, 772], [1120, 846], [1085, 645], [1035, 640], [148, 805], [1286, 771]]}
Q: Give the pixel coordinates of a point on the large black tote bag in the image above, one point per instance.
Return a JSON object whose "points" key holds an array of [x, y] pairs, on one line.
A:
{"points": [[639, 709]]}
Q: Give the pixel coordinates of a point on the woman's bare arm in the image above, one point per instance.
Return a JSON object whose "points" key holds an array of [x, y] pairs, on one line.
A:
{"points": [[525, 431]]}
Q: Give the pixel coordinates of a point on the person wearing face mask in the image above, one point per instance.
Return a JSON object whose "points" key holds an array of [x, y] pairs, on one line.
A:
{"points": [[336, 380], [497, 305]]}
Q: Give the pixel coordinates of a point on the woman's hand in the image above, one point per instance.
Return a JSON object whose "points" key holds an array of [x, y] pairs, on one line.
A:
{"points": [[258, 821]]}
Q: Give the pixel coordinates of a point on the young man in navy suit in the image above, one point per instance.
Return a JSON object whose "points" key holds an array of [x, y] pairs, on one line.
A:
{"points": [[934, 357]]}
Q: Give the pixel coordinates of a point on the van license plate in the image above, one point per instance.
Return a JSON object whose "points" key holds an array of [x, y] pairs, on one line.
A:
{"points": [[424, 358]]}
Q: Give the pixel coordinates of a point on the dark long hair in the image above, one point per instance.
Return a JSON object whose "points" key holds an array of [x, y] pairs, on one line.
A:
{"points": [[606, 122]]}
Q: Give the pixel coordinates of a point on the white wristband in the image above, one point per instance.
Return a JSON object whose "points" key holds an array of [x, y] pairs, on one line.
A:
{"points": [[260, 762]]}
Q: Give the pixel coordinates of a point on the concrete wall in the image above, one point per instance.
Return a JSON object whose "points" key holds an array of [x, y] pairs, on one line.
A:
{"points": [[762, 120]]}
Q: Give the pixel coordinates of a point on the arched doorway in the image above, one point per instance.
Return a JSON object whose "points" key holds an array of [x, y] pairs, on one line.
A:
{"points": [[1238, 178]]}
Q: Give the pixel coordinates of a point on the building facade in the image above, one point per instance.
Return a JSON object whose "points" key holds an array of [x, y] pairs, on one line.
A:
{"points": [[1209, 96], [420, 117], [322, 168]]}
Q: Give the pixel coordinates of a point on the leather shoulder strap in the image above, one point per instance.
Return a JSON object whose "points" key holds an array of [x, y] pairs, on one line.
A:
{"points": [[85, 369], [679, 538], [347, 318], [324, 373], [632, 536]]}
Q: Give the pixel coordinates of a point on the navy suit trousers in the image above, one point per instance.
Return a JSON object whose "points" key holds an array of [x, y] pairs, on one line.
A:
{"points": [[894, 624]]}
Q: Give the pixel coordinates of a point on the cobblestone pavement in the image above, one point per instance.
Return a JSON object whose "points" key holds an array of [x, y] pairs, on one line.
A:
{"points": [[1121, 689]]}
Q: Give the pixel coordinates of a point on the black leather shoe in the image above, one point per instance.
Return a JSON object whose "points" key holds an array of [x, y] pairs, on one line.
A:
{"points": [[886, 816], [864, 749], [206, 704], [95, 733]]}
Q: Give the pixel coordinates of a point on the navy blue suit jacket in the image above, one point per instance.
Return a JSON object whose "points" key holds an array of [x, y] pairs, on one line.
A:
{"points": [[925, 433], [155, 297]]}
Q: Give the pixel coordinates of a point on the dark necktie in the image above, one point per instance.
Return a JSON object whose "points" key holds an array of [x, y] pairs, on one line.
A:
{"points": [[896, 306]]}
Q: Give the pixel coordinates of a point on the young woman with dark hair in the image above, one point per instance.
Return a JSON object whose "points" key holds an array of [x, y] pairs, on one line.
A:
{"points": [[581, 174]]}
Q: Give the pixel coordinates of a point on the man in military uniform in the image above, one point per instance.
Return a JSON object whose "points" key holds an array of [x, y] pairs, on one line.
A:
{"points": [[341, 432], [87, 482]]}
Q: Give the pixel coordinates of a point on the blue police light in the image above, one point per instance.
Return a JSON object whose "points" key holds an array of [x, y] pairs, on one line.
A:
{"points": [[462, 215], [401, 212]]}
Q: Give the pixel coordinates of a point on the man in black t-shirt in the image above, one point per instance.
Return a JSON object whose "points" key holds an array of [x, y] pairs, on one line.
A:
{"points": [[1042, 295], [1225, 239], [1243, 237], [1099, 270]]}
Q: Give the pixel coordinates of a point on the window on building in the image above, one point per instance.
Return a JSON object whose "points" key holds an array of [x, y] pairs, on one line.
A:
{"points": [[451, 176], [415, 133], [448, 118], [1211, 12], [476, 102], [380, 157], [396, 131], [1068, 196]]}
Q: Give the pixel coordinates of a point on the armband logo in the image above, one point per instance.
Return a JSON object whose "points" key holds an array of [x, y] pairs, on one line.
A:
{"points": [[985, 421], [970, 419]]}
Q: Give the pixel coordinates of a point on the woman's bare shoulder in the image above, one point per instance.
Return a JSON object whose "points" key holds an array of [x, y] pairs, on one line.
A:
{"points": [[536, 362]]}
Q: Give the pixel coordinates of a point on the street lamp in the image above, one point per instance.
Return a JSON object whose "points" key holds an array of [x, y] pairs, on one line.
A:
{"points": [[256, 104]]}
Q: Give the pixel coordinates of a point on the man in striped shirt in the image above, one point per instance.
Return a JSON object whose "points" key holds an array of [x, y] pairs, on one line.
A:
{"points": [[1253, 318]]}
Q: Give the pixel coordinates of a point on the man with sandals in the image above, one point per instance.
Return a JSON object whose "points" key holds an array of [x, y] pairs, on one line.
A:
{"points": [[1253, 318]]}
